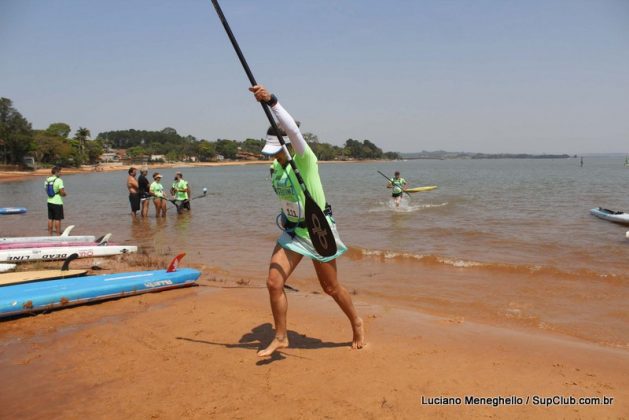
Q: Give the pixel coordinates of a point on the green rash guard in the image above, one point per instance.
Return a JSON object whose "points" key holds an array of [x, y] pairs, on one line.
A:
{"points": [[57, 186], [289, 192], [397, 185], [157, 189], [180, 185]]}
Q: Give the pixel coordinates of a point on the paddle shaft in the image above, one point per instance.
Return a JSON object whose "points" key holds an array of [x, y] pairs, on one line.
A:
{"points": [[253, 82], [317, 224], [391, 181]]}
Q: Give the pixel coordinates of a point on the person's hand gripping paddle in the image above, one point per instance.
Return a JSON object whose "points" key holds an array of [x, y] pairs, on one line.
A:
{"points": [[316, 222]]}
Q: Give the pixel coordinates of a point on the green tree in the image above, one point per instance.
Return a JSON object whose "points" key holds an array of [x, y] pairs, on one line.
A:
{"points": [[59, 129], [253, 145], [206, 150], [169, 131], [16, 134], [93, 150], [81, 135], [353, 149], [227, 148], [53, 149]]}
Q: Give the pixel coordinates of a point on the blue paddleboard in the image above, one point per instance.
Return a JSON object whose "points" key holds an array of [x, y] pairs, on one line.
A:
{"points": [[12, 210], [34, 297]]}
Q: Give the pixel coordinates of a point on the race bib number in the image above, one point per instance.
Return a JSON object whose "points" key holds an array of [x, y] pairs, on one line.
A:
{"points": [[292, 209]]}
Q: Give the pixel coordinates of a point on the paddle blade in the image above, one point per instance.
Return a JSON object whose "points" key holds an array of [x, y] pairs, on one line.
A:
{"points": [[319, 229], [175, 263]]}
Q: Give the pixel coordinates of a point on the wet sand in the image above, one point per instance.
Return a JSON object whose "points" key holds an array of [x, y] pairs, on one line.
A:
{"points": [[191, 353]]}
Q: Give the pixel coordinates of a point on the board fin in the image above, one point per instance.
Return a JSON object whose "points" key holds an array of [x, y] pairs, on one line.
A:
{"points": [[67, 261], [67, 230], [175, 263], [103, 240]]}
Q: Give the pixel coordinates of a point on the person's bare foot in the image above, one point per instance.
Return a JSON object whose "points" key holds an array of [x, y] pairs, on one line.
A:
{"points": [[276, 344], [358, 341]]}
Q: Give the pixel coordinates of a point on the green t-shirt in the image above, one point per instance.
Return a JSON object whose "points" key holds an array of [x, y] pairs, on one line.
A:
{"points": [[289, 192], [397, 185], [57, 186], [157, 189], [180, 185]]}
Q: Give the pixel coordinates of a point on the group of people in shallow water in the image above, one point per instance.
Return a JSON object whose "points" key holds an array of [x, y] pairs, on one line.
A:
{"points": [[141, 192]]}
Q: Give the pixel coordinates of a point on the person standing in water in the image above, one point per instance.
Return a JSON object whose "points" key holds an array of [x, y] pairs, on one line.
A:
{"points": [[294, 243], [143, 188], [181, 193], [134, 194], [157, 192], [55, 191], [399, 185]]}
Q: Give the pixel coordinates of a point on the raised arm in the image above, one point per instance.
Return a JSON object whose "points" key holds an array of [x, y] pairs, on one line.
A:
{"points": [[284, 119]]}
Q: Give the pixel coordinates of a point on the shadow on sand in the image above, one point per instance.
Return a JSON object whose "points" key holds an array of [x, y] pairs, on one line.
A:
{"points": [[261, 336]]}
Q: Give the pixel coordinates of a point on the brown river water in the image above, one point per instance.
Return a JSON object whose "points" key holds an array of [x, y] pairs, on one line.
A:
{"points": [[507, 242]]}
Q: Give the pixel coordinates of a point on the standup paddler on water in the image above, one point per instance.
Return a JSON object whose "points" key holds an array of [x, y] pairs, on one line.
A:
{"points": [[294, 243], [399, 185]]}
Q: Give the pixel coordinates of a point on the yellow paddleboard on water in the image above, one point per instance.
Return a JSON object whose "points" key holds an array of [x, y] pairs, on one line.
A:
{"points": [[28, 276], [421, 189]]}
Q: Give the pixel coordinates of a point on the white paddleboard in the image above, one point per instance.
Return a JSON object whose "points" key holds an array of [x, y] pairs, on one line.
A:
{"points": [[61, 253], [64, 237], [6, 267]]}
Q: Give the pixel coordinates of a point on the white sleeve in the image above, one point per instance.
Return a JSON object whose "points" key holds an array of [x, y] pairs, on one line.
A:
{"points": [[290, 127]]}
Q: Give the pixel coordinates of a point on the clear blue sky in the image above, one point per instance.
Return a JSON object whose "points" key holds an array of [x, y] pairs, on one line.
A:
{"points": [[528, 76]]}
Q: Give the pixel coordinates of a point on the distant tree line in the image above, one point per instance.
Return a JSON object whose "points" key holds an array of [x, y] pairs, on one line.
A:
{"points": [[55, 145], [441, 154], [52, 145], [175, 147]]}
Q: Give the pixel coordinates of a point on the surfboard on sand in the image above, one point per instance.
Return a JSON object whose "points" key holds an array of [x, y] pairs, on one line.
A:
{"points": [[54, 294], [102, 241], [6, 267], [40, 275], [61, 253], [64, 237]]}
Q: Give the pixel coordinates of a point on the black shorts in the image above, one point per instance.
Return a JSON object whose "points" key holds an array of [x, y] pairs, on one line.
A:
{"points": [[134, 200], [55, 211], [182, 205], [396, 195]]}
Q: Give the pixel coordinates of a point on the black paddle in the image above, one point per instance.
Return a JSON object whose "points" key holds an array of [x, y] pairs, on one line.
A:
{"points": [[391, 181], [316, 222], [193, 198]]}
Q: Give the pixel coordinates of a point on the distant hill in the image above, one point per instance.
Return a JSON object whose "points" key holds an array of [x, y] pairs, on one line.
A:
{"points": [[441, 154]]}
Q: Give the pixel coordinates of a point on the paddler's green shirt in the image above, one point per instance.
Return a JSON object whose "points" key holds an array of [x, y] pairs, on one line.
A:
{"points": [[57, 186], [397, 185], [157, 189], [290, 194], [180, 185]]}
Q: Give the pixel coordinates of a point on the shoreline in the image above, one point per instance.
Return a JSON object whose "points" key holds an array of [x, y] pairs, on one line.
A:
{"points": [[7, 176], [192, 352]]}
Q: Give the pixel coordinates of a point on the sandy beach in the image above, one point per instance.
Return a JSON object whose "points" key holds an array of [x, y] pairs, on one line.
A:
{"points": [[191, 353]]}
